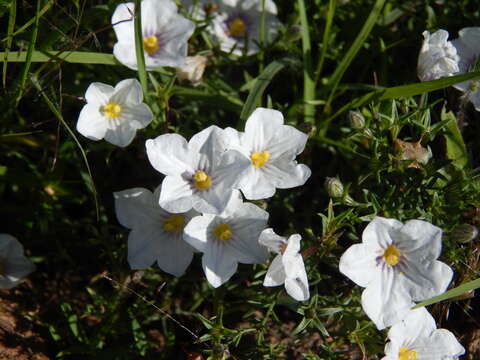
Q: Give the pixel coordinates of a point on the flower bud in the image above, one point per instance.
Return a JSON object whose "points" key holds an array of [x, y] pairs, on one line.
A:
{"points": [[334, 187], [357, 121], [464, 233], [192, 70]]}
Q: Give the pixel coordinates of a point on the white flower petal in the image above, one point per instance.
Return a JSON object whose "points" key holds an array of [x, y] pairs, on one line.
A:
{"points": [[284, 173], [197, 230], [417, 323], [177, 195], [125, 54], [286, 142], [144, 246], [380, 232], [358, 264], [209, 144], [15, 264], [176, 256], [122, 21], [296, 282], [442, 343], [272, 241], [91, 123], [261, 127], [255, 185], [218, 265], [137, 116], [424, 239], [129, 92], [98, 94], [136, 207], [169, 155], [275, 274], [121, 134]]}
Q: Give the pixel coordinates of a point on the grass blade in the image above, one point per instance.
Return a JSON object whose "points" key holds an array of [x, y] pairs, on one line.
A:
{"points": [[326, 36], [142, 73], [459, 290], [259, 87], [60, 118], [308, 77], [11, 26], [76, 57]]}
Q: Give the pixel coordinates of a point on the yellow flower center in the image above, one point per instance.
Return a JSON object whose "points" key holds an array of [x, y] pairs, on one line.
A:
{"points": [[150, 44], [201, 180], [237, 27], [259, 159], [112, 110], [473, 86], [392, 255], [175, 223], [406, 354], [223, 232]]}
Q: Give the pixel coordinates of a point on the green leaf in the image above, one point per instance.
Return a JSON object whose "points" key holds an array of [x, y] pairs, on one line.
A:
{"points": [[459, 290], [11, 26], [260, 85], [456, 149], [229, 103], [77, 57]]}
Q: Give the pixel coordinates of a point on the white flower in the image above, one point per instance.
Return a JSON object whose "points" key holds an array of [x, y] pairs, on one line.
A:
{"points": [[199, 174], [192, 70], [468, 50], [438, 57], [228, 239], [165, 34], [417, 337], [397, 265], [13, 263], [287, 267], [236, 24], [114, 113], [156, 234], [271, 148]]}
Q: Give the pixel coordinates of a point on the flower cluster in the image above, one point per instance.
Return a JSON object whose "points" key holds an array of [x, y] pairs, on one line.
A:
{"points": [[397, 265], [440, 58]]}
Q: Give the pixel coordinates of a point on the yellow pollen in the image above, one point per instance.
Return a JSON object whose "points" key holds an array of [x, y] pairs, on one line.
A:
{"points": [[406, 354], [223, 232], [112, 110], [473, 86], [150, 44], [201, 180], [237, 28], [175, 223], [259, 159], [392, 255]]}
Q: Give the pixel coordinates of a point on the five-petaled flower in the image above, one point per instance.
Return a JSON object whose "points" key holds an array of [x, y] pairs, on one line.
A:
{"points": [[271, 148], [114, 113], [236, 24], [397, 264], [164, 31], [13, 263], [228, 239], [287, 267], [156, 234], [199, 174], [416, 337]]}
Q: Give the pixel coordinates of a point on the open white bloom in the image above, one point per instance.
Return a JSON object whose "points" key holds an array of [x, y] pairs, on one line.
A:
{"points": [[114, 113], [13, 263], [228, 239], [438, 57], [468, 49], [287, 267], [156, 234], [192, 70], [236, 24], [416, 337], [199, 174], [271, 148], [397, 264], [165, 34]]}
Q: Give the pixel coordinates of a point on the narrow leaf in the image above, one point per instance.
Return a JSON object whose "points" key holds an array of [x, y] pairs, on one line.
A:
{"points": [[77, 57], [459, 290], [142, 73], [11, 26]]}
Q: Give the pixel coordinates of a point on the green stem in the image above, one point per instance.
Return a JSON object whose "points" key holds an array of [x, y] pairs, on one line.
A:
{"points": [[142, 73]]}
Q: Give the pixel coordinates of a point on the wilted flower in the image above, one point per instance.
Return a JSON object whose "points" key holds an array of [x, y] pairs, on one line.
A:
{"points": [[271, 148], [165, 34], [156, 234], [199, 174], [413, 151], [228, 239], [287, 267], [192, 70], [397, 264], [13, 263], [417, 337], [438, 57], [236, 24], [114, 113]]}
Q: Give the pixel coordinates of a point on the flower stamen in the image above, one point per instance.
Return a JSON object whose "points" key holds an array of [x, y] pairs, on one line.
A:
{"points": [[392, 255], [259, 159], [150, 44], [112, 110], [223, 232], [175, 223], [237, 27], [201, 180], [407, 354]]}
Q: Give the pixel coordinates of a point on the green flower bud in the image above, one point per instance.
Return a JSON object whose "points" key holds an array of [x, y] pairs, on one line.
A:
{"points": [[464, 233], [334, 187], [357, 121]]}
